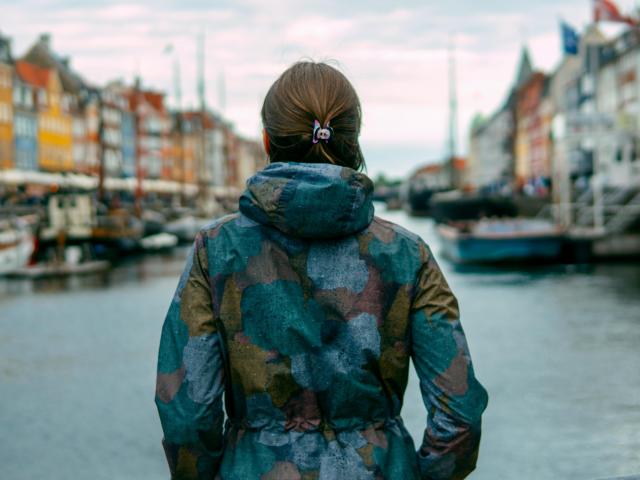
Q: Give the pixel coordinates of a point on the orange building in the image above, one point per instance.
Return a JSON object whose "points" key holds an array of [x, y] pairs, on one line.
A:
{"points": [[6, 106], [91, 163], [54, 119], [192, 141], [177, 148]]}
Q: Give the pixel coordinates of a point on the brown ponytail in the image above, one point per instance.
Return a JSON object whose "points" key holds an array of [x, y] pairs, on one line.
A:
{"points": [[305, 92]]}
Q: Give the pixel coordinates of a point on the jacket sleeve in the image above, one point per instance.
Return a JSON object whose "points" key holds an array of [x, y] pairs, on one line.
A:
{"points": [[454, 399], [190, 379]]}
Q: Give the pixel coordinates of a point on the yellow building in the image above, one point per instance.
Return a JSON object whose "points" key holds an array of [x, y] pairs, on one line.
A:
{"points": [[522, 166], [6, 115], [55, 122]]}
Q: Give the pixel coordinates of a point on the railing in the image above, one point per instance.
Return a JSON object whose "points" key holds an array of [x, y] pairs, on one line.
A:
{"points": [[548, 211], [626, 215], [619, 208]]}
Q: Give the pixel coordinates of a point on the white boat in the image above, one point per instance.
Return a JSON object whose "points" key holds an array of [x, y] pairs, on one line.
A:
{"points": [[159, 241], [64, 269], [16, 244], [186, 228]]}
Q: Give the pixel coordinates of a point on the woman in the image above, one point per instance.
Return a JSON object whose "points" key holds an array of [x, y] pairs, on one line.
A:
{"points": [[304, 309]]}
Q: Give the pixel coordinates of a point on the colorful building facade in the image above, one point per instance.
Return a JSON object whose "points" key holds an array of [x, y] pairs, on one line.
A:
{"points": [[91, 164], [54, 119], [128, 132], [25, 120], [216, 151], [618, 97], [192, 141], [6, 105], [533, 134], [177, 147], [112, 105], [153, 129], [79, 135]]}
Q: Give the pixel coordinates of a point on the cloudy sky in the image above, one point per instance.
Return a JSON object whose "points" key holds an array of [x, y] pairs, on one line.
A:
{"points": [[395, 53]]}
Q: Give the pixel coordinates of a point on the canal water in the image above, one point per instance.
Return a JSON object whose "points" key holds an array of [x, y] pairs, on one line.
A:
{"points": [[558, 349]]}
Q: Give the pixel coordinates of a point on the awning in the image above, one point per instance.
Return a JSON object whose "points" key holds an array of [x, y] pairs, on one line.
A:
{"points": [[86, 182], [23, 177]]}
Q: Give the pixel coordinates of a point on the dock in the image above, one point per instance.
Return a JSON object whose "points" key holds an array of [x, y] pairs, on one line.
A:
{"points": [[61, 270]]}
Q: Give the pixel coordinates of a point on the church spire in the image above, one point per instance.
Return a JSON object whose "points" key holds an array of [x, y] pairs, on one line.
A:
{"points": [[525, 69]]}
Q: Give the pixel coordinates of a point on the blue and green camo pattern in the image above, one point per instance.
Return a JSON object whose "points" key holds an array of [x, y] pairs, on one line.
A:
{"points": [[300, 314]]}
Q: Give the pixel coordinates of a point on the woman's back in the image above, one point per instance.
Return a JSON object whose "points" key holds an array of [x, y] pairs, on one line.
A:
{"points": [[304, 310]]}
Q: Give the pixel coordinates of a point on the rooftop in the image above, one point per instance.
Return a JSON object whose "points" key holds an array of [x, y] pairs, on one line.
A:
{"points": [[32, 74]]}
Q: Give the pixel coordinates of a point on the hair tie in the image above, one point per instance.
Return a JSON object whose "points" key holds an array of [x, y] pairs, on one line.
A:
{"points": [[320, 133]]}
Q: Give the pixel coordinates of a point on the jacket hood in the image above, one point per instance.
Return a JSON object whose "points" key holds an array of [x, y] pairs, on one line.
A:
{"points": [[309, 200]]}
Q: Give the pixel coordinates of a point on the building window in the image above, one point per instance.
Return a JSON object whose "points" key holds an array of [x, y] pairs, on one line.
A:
{"points": [[28, 98]]}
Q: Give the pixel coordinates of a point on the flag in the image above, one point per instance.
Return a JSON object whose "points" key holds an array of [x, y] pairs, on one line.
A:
{"points": [[570, 39], [607, 11]]}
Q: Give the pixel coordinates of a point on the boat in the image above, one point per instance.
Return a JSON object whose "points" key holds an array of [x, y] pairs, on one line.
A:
{"points": [[187, 227], [153, 222], [457, 206], [70, 215], [501, 241], [61, 269], [417, 198], [16, 244], [118, 228], [158, 242]]}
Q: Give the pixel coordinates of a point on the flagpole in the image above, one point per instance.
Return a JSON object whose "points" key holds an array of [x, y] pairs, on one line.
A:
{"points": [[560, 173], [596, 180], [562, 180]]}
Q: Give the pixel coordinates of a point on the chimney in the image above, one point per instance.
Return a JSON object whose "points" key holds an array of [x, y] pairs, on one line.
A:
{"points": [[5, 48], [45, 40]]}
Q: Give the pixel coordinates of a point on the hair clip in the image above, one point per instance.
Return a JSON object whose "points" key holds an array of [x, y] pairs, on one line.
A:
{"points": [[320, 133]]}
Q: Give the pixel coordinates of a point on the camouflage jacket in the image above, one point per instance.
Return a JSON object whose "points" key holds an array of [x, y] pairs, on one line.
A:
{"points": [[301, 312]]}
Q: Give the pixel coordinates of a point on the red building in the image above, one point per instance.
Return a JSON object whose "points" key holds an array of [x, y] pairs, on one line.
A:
{"points": [[153, 128], [533, 131]]}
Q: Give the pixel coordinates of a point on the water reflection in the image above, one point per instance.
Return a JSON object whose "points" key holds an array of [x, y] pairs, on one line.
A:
{"points": [[131, 270]]}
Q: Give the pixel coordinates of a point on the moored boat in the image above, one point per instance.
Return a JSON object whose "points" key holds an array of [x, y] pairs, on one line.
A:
{"points": [[16, 244], [63, 269], [187, 227], [158, 242], [499, 241], [455, 206]]}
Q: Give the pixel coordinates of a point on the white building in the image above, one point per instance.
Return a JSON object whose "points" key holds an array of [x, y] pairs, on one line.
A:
{"points": [[618, 99], [491, 153]]}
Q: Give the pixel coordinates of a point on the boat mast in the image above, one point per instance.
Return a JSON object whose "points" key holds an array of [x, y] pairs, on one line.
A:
{"points": [[177, 86], [203, 114], [138, 126], [453, 102], [222, 93]]}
